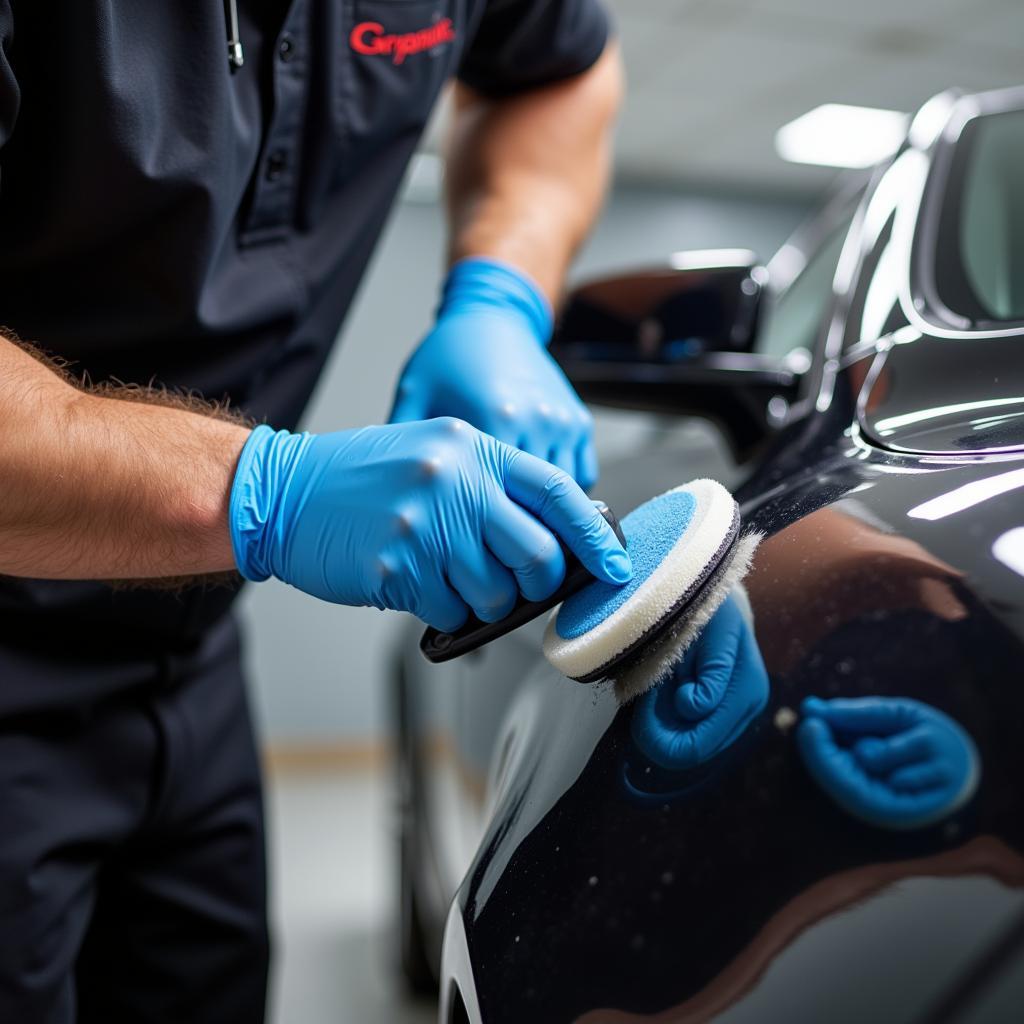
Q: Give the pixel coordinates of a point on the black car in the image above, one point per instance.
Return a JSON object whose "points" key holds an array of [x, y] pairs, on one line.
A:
{"points": [[867, 391]]}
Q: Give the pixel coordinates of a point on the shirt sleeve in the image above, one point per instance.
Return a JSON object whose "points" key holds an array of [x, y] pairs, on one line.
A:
{"points": [[10, 95], [519, 44]]}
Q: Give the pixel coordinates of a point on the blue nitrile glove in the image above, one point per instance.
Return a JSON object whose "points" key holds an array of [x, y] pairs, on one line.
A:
{"points": [[485, 361], [426, 517], [891, 761], [709, 700]]}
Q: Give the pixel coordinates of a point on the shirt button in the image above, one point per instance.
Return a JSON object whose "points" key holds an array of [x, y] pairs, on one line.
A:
{"points": [[276, 164], [286, 48]]}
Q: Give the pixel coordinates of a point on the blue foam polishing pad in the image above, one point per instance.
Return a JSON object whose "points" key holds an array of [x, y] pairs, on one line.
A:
{"points": [[651, 531], [680, 543]]}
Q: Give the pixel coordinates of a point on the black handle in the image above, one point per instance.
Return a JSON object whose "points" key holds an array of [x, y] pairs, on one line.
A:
{"points": [[438, 647]]}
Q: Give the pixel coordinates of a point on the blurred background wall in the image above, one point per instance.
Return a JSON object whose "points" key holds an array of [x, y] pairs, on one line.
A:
{"points": [[698, 165]]}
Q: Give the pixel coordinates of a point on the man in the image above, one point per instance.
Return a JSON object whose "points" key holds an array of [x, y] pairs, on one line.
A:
{"points": [[189, 195]]}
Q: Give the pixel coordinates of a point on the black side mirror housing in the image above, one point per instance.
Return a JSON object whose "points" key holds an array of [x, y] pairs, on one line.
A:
{"points": [[678, 339]]}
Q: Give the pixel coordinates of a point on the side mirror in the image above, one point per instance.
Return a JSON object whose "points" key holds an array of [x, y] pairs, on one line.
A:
{"points": [[678, 339]]}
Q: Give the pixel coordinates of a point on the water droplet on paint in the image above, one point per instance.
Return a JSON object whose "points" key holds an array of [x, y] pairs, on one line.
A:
{"points": [[785, 719]]}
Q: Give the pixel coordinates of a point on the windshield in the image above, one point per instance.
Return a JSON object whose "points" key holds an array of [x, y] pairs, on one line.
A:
{"points": [[797, 315], [980, 255]]}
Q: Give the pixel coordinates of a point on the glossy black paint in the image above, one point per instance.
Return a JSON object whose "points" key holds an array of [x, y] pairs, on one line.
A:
{"points": [[665, 314], [946, 396], [605, 899], [677, 341], [601, 888]]}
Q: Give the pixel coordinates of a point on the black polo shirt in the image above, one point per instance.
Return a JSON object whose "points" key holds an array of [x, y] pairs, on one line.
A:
{"points": [[165, 218]]}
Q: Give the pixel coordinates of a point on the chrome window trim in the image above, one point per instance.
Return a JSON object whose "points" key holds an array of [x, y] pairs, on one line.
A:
{"points": [[931, 140], [918, 224]]}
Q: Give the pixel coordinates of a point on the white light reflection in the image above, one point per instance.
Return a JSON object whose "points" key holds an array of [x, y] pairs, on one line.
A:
{"points": [[798, 360], [929, 121], [883, 294], [991, 421], [840, 135], [711, 259], [885, 200], [968, 496], [887, 426], [786, 265], [906, 335], [1009, 549]]}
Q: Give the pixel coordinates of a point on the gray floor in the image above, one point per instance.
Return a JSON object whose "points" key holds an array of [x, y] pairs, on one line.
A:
{"points": [[332, 870]]}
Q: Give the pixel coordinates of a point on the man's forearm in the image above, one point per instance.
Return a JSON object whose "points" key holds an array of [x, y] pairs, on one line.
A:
{"points": [[95, 487], [526, 175]]}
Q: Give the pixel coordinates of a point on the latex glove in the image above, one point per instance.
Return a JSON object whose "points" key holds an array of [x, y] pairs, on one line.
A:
{"points": [[427, 517], [485, 361], [720, 686], [890, 761]]}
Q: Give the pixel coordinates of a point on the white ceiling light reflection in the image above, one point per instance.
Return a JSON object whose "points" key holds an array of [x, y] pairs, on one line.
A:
{"points": [[798, 360], [968, 496], [883, 294], [1009, 549], [711, 259], [786, 265], [887, 426], [840, 135], [906, 335]]}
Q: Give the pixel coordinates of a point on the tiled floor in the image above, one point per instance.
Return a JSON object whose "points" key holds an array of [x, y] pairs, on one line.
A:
{"points": [[332, 891]]}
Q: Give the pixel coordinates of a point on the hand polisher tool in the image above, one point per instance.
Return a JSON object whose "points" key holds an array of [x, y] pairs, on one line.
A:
{"points": [[687, 552], [474, 633]]}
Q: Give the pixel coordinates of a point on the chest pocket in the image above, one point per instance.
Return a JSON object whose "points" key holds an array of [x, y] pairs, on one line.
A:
{"points": [[397, 56]]}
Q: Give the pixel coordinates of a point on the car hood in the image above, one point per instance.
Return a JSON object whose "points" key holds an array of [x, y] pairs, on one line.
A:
{"points": [[737, 889]]}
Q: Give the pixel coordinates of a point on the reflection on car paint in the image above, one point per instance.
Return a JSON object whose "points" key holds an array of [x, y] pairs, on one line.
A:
{"points": [[889, 761], [968, 496], [837, 565], [791, 959], [829, 592], [703, 708]]}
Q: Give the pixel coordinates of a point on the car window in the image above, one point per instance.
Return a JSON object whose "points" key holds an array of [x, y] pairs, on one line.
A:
{"points": [[980, 255], [796, 317]]}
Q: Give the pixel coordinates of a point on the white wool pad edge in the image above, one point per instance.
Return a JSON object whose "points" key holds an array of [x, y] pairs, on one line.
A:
{"points": [[686, 561], [657, 664]]}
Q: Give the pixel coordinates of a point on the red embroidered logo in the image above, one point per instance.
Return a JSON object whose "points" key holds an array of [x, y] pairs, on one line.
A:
{"points": [[370, 37]]}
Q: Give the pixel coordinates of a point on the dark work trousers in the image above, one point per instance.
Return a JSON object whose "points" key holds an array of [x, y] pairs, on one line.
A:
{"points": [[132, 869]]}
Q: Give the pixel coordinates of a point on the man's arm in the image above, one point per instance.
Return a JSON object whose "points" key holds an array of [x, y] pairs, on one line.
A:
{"points": [[527, 173], [526, 177], [100, 487], [432, 518]]}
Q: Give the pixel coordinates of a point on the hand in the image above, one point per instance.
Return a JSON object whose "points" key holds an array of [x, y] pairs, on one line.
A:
{"points": [[485, 362], [890, 761], [427, 517], [710, 699]]}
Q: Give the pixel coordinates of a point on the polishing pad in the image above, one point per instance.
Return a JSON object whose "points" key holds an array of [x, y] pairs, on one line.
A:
{"points": [[682, 545]]}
